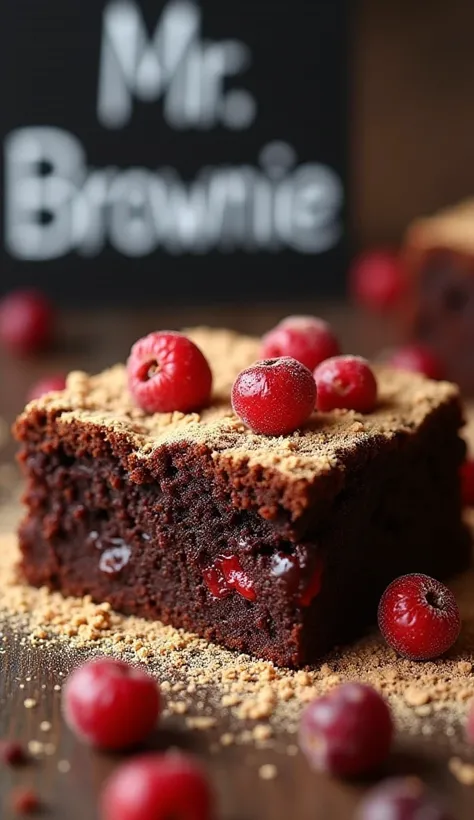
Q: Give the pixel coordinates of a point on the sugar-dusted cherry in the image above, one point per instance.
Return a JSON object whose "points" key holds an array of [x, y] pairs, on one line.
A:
{"points": [[418, 617], [345, 382], [167, 372], [110, 704], [376, 279], [416, 358], [26, 321], [158, 787], [347, 732], [47, 384], [275, 396], [307, 339]]}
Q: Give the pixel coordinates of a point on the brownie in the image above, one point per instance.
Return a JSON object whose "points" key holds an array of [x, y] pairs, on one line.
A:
{"points": [[439, 306], [275, 546]]}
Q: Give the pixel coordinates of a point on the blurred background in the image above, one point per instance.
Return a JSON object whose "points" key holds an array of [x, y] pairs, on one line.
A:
{"points": [[175, 162]]}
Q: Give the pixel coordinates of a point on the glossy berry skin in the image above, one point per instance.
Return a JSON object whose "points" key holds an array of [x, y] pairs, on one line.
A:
{"points": [[404, 798], [275, 396], [347, 732], [26, 321], [307, 339], [376, 279], [47, 384], [418, 617], [416, 359], [110, 704], [168, 372], [467, 483], [157, 787], [345, 382]]}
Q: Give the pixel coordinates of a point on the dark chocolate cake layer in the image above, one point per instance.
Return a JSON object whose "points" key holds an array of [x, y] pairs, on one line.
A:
{"points": [[279, 547]]}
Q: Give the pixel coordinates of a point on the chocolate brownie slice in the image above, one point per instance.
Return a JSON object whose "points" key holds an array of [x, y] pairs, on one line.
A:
{"points": [[439, 308], [278, 547]]}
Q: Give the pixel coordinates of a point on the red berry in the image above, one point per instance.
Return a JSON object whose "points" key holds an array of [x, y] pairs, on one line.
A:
{"points": [[225, 575], [467, 483], [24, 800], [110, 704], [377, 279], [419, 617], [157, 787], [167, 372], [417, 359], [305, 338], [12, 753], [348, 731], [275, 396], [401, 799], [345, 382], [47, 384], [26, 321]]}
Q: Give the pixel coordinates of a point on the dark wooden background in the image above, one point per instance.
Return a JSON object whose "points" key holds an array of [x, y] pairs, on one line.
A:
{"points": [[412, 118], [92, 342]]}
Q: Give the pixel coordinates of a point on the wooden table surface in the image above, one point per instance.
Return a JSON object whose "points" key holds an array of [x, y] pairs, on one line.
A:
{"points": [[91, 342]]}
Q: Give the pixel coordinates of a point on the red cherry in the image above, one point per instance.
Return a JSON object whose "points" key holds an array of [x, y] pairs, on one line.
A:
{"points": [[404, 798], [347, 732], [26, 321], [157, 787], [110, 704], [25, 800], [345, 382], [275, 396], [467, 483], [226, 574], [12, 753], [376, 279], [305, 338], [47, 384], [167, 372], [419, 617], [417, 359]]}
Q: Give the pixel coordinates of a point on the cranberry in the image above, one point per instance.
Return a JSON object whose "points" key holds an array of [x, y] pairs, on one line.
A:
{"points": [[46, 385], [25, 800], [417, 359], [26, 321], [401, 799], [110, 704], [167, 372], [12, 753], [293, 571], [345, 382], [419, 617], [275, 396], [305, 338], [225, 575], [348, 731], [377, 279], [467, 483], [157, 787]]}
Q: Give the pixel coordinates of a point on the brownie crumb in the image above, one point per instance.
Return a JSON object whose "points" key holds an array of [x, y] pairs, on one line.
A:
{"points": [[25, 800], [268, 771], [463, 772], [12, 753]]}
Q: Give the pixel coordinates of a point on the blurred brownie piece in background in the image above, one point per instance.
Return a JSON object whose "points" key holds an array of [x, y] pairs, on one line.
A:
{"points": [[439, 306]]}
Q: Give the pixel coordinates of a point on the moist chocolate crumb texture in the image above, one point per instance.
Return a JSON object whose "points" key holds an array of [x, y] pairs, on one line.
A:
{"points": [[275, 546]]}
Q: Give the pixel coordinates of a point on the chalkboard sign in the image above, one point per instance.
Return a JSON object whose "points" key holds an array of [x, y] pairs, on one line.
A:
{"points": [[170, 149]]}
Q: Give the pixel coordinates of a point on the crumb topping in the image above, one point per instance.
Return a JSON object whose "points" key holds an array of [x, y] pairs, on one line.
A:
{"points": [[451, 227], [405, 401]]}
